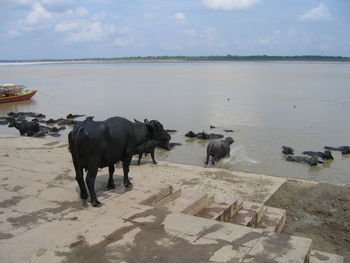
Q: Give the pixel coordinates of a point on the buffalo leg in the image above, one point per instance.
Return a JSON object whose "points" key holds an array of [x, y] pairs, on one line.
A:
{"points": [[139, 160], [207, 159], [79, 177], [90, 182], [126, 163], [214, 159], [111, 184], [152, 155]]}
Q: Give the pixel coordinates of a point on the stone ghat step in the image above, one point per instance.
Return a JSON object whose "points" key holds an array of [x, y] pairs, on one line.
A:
{"points": [[221, 211], [250, 214], [238, 243], [279, 248], [273, 220], [323, 257], [189, 203], [160, 197]]}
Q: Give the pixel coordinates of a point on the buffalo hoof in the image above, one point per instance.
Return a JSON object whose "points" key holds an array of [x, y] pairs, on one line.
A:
{"points": [[128, 185], [111, 186], [138, 163], [84, 196], [154, 162], [96, 203]]}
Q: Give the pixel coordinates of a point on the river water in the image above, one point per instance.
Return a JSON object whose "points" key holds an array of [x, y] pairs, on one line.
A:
{"points": [[302, 105]]}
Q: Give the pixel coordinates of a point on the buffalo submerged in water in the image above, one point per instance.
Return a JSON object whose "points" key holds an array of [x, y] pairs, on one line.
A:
{"points": [[98, 144]]}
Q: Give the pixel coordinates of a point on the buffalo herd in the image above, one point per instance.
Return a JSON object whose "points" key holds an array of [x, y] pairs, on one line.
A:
{"points": [[98, 144], [312, 158]]}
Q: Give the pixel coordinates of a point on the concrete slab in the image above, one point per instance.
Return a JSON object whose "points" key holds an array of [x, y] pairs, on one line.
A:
{"points": [[323, 257], [189, 203], [13, 223], [273, 220], [161, 197], [221, 211], [210, 229], [12, 252], [279, 248], [250, 214]]}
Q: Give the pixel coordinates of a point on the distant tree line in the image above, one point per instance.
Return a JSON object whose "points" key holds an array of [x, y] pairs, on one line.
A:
{"points": [[199, 58]]}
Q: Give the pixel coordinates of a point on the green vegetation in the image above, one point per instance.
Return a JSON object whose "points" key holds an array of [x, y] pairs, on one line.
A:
{"points": [[198, 59]]}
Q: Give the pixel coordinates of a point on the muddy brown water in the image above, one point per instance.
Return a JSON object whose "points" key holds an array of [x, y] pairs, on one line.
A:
{"points": [[303, 105]]}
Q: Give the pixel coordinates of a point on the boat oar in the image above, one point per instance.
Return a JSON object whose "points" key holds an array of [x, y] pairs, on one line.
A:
{"points": [[46, 94]]}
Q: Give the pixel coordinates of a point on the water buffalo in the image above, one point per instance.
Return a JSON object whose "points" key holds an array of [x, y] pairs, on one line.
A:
{"points": [[97, 144], [327, 155], [204, 136], [342, 149], [149, 147], [218, 150], [25, 127], [287, 150], [312, 161]]}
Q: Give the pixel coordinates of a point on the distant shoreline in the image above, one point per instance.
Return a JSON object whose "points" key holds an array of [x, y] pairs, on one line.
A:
{"points": [[185, 59], [123, 61]]}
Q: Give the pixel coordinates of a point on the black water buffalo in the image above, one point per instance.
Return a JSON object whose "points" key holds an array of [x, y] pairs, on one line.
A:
{"points": [[287, 150], [25, 127], [97, 144], [218, 150], [342, 149], [312, 161], [327, 155], [204, 136], [149, 147]]}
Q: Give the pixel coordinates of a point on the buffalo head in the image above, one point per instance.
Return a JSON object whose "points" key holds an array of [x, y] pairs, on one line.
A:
{"points": [[158, 133], [229, 140]]}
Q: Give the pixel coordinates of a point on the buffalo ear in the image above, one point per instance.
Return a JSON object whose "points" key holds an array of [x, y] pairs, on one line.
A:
{"points": [[148, 124]]}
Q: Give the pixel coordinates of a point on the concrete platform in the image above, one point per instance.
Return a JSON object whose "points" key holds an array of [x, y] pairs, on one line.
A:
{"points": [[43, 219]]}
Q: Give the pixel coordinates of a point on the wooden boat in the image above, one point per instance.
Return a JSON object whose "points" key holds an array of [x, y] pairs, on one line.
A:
{"points": [[11, 92]]}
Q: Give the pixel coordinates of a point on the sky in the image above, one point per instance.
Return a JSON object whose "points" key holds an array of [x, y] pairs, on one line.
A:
{"points": [[65, 29]]}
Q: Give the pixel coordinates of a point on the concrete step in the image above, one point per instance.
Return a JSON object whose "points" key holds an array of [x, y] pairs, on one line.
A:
{"points": [[250, 214], [189, 203], [323, 257], [236, 243], [161, 197], [273, 220], [279, 248], [221, 211]]}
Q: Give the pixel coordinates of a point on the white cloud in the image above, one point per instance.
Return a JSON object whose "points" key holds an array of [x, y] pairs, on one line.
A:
{"points": [[191, 32], [99, 16], [149, 16], [68, 26], [122, 42], [209, 37], [91, 32], [319, 13], [81, 11], [85, 31], [180, 18], [229, 4], [38, 14], [57, 5]]}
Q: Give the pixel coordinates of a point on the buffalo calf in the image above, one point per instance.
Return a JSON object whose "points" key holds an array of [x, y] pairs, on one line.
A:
{"points": [[149, 147], [218, 150]]}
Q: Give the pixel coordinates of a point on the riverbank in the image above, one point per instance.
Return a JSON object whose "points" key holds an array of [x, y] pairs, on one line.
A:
{"points": [[124, 61], [43, 218]]}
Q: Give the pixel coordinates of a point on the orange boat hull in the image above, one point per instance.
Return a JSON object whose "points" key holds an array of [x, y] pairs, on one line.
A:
{"points": [[28, 95]]}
